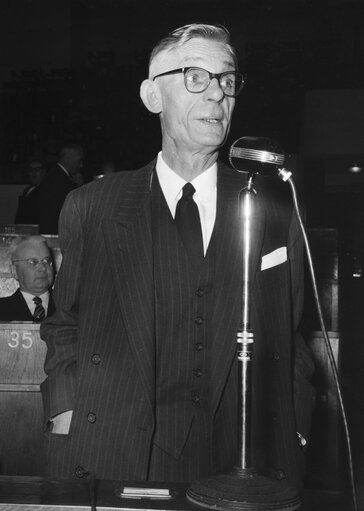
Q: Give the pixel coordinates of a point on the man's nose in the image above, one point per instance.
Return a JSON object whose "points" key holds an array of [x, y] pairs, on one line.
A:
{"points": [[42, 266], [214, 90]]}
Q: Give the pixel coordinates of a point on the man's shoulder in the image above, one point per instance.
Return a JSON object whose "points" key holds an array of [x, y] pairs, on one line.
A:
{"points": [[124, 180], [7, 301], [54, 178], [14, 308]]}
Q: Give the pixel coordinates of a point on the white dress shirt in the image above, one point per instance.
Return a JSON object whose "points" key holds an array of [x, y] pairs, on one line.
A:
{"points": [[31, 305], [205, 195]]}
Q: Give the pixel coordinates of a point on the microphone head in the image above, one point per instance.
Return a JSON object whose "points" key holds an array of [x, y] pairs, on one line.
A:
{"points": [[257, 155]]}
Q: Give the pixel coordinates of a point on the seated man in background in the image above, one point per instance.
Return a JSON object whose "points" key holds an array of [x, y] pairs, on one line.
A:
{"points": [[27, 212], [32, 267]]}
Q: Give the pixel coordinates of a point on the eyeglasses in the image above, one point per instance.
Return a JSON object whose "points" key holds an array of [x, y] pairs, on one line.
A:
{"points": [[33, 263], [198, 79]]}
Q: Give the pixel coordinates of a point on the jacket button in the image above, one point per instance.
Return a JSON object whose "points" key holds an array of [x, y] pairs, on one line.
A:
{"points": [[199, 346], [199, 320], [200, 292], [96, 359], [91, 417], [279, 474], [195, 399], [276, 355], [198, 373], [80, 472]]}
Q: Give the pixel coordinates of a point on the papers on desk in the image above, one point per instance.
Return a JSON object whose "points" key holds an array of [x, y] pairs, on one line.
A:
{"points": [[130, 492]]}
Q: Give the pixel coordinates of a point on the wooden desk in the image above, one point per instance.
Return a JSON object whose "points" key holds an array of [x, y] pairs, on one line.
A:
{"points": [[33, 494], [22, 354]]}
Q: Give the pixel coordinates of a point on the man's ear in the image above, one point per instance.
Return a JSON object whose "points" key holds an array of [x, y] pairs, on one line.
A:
{"points": [[151, 96]]}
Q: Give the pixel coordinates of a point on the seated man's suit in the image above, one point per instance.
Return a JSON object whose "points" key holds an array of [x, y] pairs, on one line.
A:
{"points": [[15, 308]]}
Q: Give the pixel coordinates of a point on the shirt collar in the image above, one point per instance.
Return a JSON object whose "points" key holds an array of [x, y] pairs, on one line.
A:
{"points": [[29, 297], [172, 184], [64, 169]]}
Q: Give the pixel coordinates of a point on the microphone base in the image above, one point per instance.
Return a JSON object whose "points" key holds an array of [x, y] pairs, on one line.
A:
{"points": [[243, 489]]}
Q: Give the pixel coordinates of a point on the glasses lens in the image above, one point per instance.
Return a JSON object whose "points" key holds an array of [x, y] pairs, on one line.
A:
{"points": [[231, 83], [196, 79], [46, 261]]}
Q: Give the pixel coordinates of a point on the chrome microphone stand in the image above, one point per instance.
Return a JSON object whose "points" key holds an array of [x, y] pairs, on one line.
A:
{"points": [[243, 488]]}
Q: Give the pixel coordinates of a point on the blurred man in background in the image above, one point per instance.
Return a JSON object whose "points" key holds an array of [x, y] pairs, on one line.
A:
{"points": [[56, 185], [27, 212]]}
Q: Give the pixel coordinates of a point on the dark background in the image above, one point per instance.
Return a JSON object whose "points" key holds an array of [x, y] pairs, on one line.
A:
{"points": [[71, 69]]}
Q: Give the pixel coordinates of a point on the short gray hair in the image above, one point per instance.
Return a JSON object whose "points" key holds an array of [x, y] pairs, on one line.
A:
{"points": [[18, 240], [180, 36]]}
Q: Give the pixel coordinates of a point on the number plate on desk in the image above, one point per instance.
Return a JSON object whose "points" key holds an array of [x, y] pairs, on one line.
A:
{"points": [[22, 354]]}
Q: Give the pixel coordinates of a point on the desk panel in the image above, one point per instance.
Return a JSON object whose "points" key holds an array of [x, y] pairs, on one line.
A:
{"points": [[22, 354]]}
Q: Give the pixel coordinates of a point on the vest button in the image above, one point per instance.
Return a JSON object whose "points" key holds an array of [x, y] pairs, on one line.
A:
{"points": [[199, 346], [200, 292], [276, 356], [96, 359], [80, 472], [198, 373], [199, 320], [91, 417], [279, 474], [195, 399]]}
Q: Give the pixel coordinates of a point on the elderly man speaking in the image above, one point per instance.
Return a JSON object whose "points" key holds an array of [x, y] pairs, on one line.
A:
{"points": [[142, 378]]}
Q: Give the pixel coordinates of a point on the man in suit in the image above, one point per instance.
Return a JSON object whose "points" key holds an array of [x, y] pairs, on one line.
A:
{"points": [[142, 375], [32, 266], [57, 183], [27, 212]]}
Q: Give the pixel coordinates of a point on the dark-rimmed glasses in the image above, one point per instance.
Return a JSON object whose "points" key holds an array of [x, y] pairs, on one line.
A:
{"points": [[198, 79], [33, 263]]}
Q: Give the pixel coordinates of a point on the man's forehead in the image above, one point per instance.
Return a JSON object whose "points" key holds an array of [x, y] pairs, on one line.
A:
{"points": [[196, 51], [31, 247]]}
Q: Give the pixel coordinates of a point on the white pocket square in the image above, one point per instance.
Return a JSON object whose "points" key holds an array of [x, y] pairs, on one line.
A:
{"points": [[274, 258]]}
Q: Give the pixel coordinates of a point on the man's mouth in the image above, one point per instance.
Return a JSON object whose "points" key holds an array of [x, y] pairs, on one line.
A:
{"points": [[211, 120]]}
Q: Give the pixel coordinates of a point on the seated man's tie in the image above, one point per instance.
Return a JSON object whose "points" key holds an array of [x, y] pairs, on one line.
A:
{"points": [[39, 312], [187, 219]]}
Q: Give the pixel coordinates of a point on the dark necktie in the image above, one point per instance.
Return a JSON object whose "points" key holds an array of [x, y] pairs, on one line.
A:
{"points": [[39, 312], [187, 219]]}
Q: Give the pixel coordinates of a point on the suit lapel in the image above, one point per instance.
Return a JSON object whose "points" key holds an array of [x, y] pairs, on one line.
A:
{"points": [[129, 244], [21, 307], [51, 306], [228, 274]]}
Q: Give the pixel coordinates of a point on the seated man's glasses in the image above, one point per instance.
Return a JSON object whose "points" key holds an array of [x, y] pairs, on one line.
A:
{"points": [[198, 79], [33, 263]]}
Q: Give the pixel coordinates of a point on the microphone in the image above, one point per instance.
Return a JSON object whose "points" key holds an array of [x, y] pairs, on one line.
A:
{"points": [[258, 155]]}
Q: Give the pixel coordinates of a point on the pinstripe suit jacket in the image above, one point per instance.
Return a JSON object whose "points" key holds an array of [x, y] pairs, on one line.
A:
{"points": [[101, 351]]}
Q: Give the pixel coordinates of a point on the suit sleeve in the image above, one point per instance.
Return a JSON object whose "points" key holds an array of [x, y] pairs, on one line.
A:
{"points": [[303, 391], [60, 330]]}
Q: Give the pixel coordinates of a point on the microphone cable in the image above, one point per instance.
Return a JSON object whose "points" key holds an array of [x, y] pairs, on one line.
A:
{"points": [[286, 176]]}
